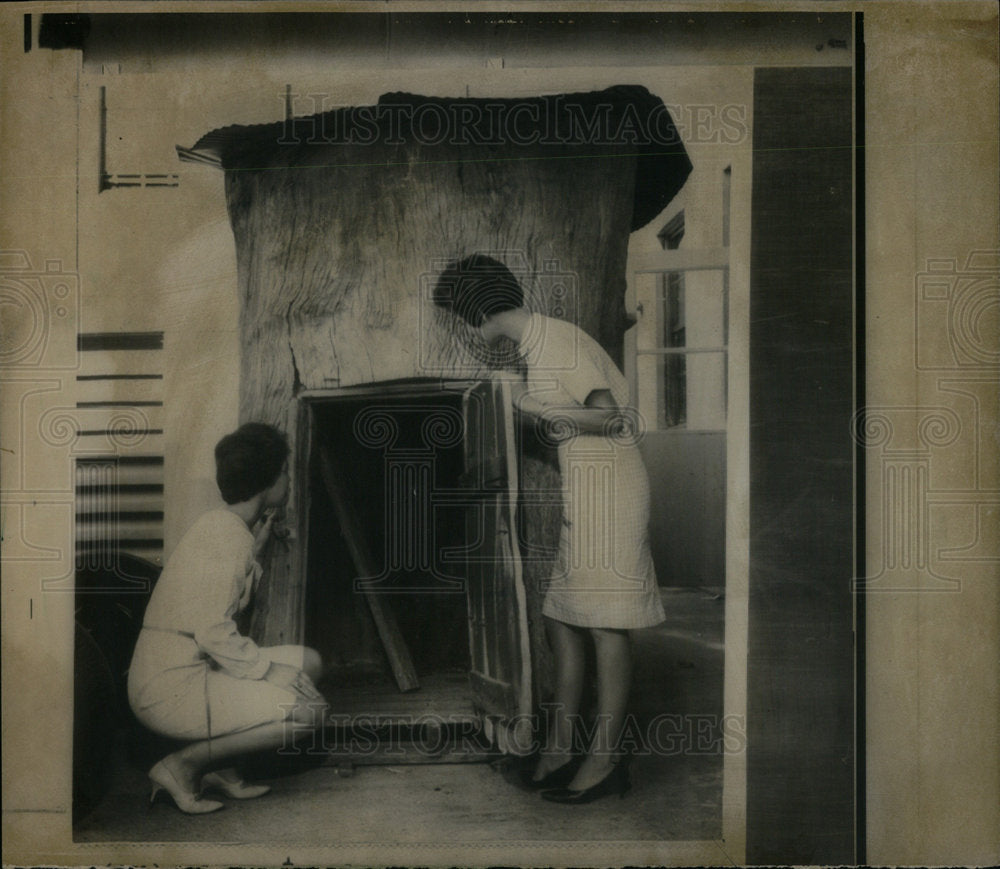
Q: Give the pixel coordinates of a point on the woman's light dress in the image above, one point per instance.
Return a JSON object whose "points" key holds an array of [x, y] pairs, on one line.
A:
{"points": [[193, 675], [604, 575]]}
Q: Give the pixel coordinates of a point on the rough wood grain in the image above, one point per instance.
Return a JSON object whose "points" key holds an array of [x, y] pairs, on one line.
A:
{"points": [[340, 240]]}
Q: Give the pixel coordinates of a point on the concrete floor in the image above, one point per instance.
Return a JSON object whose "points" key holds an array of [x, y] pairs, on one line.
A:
{"points": [[676, 792]]}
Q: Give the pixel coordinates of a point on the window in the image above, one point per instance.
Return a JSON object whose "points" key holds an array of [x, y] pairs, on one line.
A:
{"points": [[682, 296], [672, 373]]}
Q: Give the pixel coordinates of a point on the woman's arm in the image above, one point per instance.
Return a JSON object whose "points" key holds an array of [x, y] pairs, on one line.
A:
{"points": [[217, 585], [238, 655], [599, 415]]}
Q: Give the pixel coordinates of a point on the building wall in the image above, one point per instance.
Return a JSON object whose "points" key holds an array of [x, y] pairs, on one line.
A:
{"points": [[687, 472]]}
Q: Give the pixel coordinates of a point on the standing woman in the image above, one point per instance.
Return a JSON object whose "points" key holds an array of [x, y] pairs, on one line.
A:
{"points": [[603, 583], [193, 675]]}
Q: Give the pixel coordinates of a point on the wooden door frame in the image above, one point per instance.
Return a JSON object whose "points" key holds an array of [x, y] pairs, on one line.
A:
{"points": [[302, 412]]}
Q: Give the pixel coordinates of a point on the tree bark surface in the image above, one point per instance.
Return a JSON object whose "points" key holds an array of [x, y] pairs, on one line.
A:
{"points": [[341, 235]]}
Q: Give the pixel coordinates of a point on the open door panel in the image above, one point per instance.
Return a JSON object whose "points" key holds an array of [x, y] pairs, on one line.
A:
{"points": [[500, 668]]}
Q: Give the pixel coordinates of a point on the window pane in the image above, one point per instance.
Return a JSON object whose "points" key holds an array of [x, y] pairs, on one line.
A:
{"points": [[680, 367], [705, 307], [674, 390], [673, 310], [693, 390]]}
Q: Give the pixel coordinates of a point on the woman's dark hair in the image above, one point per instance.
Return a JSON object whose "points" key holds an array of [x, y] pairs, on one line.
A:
{"points": [[249, 461], [476, 287]]}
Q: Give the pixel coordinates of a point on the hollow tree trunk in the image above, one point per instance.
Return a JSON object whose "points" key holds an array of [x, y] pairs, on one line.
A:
{"points": [[339, 244]]}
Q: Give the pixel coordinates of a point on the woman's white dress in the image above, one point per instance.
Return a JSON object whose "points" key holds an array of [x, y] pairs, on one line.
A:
{"points": [[604, 575], [193, 675]]}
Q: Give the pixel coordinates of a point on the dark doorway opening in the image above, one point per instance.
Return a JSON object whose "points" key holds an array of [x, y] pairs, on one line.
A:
{"points": [[398, 456]]}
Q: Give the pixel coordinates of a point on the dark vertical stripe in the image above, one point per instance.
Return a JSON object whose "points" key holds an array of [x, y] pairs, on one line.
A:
{"points": [[87, 488], [102, 432], [114, 544], [27, 32], [119, 377], [112, 516], [119, 341], [95, 404], [861, 399], [800, 693], [102, 142], [119, 460]]}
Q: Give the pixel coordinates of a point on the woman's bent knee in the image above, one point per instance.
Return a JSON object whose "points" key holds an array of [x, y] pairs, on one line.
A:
{"points": [[312, 663], [311, 713], [301, 657]]}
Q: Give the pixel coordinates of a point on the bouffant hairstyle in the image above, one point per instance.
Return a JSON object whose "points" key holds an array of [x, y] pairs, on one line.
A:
{"points": [[249, 461], [476, 287]]}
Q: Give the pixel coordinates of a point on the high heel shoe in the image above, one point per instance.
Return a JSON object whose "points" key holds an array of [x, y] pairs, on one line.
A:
{"points": [[617, 781], [189, 803], [558, 778], [238, 790]]}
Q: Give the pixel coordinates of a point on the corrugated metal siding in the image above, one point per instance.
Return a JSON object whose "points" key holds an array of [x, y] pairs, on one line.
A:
{"points": [[119, 461]]}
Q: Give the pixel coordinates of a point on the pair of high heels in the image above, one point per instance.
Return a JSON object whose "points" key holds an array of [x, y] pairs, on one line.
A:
{"points": [[235, 790], [558, 778], [618, 781], [191, 803]]}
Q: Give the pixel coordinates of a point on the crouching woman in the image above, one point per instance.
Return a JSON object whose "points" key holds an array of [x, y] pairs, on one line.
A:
{"points": [[193, 675]]}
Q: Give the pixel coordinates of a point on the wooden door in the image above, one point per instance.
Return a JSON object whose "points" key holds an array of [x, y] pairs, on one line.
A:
{"points": [[499, 651]]}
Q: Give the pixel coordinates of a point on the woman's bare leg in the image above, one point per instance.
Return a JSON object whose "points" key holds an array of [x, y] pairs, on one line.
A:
{"points": [[567, 644], [188, 764], [614, 679], [306, 659]]}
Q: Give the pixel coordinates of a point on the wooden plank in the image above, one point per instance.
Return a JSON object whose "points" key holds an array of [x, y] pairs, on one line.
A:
{"points": [[499, 602], [475, 522], [445, 696], [500, 675], [471, 583], [404, 753], [517, 612], [494, 570], [492, 577], [395, 646], [493, 695]]}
